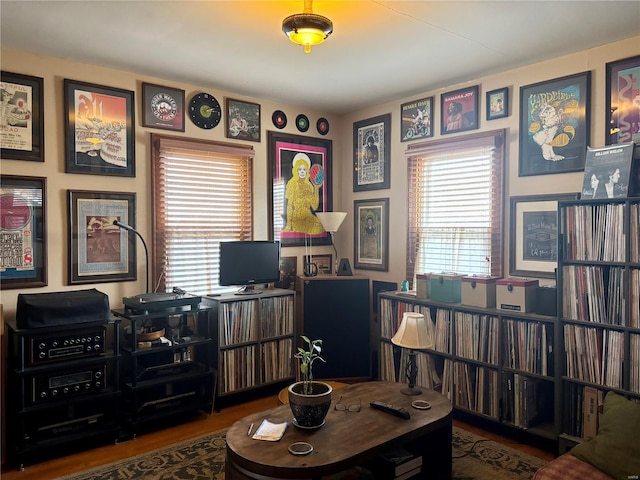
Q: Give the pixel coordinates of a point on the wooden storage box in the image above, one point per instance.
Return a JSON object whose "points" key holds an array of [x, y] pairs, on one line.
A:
{"points": [[422, 285], [445, 287], [517, 294], [479, 291]]}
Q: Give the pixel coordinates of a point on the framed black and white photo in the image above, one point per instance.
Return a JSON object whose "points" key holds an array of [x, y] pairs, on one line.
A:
{"points": [[371, 232], [99, 129], [22, 117], [23, 227], [243, 120], [288, 273], [498, 103], [534, 234], [555, 125], [371, 153], [100, 251]]}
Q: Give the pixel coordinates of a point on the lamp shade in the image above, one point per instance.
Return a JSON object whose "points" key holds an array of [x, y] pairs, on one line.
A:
{"points": [[331, 221], [413, 333]]}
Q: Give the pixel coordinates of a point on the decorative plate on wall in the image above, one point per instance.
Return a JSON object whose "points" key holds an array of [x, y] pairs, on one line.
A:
{"points": [[322, 125], [279, 119], [302, 122]]}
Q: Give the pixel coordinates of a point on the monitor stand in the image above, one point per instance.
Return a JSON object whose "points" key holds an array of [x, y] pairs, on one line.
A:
{"points": [[248, 290]]}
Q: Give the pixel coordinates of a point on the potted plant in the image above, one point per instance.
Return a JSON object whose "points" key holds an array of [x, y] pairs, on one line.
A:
{"points": [[309, 399]]}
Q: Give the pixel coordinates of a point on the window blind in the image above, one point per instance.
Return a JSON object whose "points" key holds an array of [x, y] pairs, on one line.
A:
{"points": [[202, 195], [455, 191]]}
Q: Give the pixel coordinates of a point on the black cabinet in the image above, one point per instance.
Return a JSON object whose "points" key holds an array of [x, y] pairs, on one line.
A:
{"points": [[63, 388], [336, 310], [167, 367]]}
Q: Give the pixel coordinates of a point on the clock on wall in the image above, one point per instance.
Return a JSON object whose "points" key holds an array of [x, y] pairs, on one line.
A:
{"points": [[204, 110]]}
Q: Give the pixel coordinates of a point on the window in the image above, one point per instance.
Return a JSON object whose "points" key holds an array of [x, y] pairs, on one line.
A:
{"points": [[455, 205], [202, 195]]}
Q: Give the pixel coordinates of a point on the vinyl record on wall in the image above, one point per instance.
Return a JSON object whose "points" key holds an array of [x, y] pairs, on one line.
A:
{"points": [[322, 125], [279, 119], [302, 122]]}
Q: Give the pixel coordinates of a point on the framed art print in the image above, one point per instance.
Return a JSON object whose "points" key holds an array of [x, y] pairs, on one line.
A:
{"points": [[459, 110], [371, 153], [622, 101], [100, 251], [300, 185], [162, 107], [23, 232], [498, 103], [554, 125], [416, 118], [99, 129], [22, 117], [288, 273], [243, 120], [534, 234], [371, 230]]}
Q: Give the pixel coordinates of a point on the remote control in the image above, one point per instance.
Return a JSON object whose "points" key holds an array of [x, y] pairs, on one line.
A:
{"points": [[392, 409]]}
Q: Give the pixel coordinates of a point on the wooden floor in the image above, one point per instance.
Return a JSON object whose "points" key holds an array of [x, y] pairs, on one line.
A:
{"points": [[150, 441]]}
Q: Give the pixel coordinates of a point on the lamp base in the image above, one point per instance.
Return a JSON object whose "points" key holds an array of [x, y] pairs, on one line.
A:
{"points": [[411, 391]]}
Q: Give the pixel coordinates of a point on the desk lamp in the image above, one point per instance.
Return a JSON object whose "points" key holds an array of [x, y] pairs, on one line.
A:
{"points": [[412, 334], [331, 222]]}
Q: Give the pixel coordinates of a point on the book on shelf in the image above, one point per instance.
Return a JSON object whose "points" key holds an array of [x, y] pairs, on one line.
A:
{"points": [[607, 171], [589, 412], [397, 464]]}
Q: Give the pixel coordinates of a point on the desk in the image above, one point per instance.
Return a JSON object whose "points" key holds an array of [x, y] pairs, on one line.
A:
{"points": [[347, 439]]}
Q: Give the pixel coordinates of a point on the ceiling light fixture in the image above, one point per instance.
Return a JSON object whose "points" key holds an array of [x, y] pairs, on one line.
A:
{"points": [[306, 28]]}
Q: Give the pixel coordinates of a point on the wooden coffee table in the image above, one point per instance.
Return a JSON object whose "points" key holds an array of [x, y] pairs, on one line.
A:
{"points": [[347, 439]]}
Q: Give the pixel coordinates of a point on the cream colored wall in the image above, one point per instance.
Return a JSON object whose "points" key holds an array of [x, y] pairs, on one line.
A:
{"points": [[593, 60], [54, 71]]}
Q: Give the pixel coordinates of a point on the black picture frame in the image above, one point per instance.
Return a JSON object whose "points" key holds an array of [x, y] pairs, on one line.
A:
{"points": [[459, 110], [93, 259], [247, 126], [23, 137], [371, 234], [623, 79], [163, 107], [372, 153], [99, 129], [555, 124], [416, 119], [533, 237], [284, 222], [497, 105], [23, 226]]}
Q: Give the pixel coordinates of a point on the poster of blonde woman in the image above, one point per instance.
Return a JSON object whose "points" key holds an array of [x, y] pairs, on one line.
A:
{"points": [[301, 186], [372, 234]]}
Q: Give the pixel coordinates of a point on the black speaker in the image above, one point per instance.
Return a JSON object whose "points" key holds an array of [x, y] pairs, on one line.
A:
{"points": [[61, 308]]}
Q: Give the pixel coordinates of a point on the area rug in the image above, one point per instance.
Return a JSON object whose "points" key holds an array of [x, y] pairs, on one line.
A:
{"points": [[474, 458]]}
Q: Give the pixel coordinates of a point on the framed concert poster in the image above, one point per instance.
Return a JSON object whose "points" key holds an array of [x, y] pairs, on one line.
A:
{"points": [[623, 87], [243, 120], [533, 237], [23, 229], [371, 231], [99, 129], [416, 119], [162, 107], [22, 115], [459, 110], [100, 251], [554, 125], [372, 153], [300, 184]]}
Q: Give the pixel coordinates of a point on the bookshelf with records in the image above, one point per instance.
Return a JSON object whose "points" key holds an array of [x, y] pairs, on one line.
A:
{"points": [[254, 335], [599, 328], [491, 363]]}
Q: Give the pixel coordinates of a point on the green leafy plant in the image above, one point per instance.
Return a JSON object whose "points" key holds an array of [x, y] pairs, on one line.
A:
{"points": [[307, 357]]}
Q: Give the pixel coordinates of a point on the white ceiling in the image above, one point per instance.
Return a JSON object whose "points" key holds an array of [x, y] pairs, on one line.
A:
{"points": [[379, 51]]}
